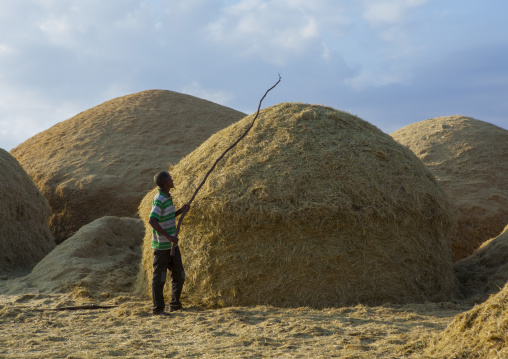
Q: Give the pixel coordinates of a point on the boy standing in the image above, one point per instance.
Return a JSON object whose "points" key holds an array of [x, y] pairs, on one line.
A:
{"points": [[162, 219]]}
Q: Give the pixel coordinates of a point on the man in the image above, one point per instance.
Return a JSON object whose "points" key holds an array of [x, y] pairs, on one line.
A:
{"points": [[162, 219]]}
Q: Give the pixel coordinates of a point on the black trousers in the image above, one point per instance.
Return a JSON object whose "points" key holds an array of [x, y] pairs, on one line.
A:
{"points": [[162, 261]]}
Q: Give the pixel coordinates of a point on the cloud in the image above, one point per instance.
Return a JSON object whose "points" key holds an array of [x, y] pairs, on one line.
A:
{"points": [[384, 60], [58, 58], [471, 82], [366, 79], [393, 42], [390, 18], [217, 96], [28, 114], [6, 50], [276, 31], [388, 12]]}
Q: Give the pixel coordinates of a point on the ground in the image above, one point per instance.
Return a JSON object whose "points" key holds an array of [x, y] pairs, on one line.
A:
{"points": [[31, 328]]}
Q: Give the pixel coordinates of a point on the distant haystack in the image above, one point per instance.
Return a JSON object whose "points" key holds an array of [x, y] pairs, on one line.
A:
{"points": [[315, 207], [470, 159], [481, 332], [24, 213], [486, 270], [102, 161], [102, 256]]}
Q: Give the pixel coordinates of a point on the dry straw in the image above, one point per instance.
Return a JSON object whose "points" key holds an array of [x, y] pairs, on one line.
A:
{"points": [[24, 213], [486, 270], [470, 159], [100, 162], [481, 332], [314, 207], [100, 258]]}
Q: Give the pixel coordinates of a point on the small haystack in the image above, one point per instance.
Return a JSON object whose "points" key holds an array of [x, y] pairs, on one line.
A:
{"points": [[101, 162], [486, 270], [101, 257], [470, 159], [315, 207], [481, 332], [24, 213]]}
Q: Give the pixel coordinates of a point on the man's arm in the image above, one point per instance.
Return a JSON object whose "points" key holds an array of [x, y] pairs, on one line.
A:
{"points": [[156, 225]]}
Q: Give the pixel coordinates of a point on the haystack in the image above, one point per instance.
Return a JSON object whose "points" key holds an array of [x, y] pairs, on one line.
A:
{"points": [[101, 162], [486, 270], [315, 207], [481, 332], [470, 159], [100, 258], [24, 213]]}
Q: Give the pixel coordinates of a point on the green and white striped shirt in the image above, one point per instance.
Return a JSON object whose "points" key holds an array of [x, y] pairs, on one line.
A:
{"points": [[163, 211]]}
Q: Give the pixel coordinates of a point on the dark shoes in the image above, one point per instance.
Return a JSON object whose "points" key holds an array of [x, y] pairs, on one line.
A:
{"points": [[161, 314], [172, 308]]}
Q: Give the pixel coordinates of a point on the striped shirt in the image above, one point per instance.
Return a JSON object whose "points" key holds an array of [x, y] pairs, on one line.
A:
{"points": [[163, 211]]}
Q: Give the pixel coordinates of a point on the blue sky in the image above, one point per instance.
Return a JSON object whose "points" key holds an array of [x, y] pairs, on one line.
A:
{"points": [[391, 62]]}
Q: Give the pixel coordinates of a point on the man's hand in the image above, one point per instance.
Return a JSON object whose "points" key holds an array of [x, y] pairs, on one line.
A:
{"points": [[156, 225], [183, 209], [172, 239]]}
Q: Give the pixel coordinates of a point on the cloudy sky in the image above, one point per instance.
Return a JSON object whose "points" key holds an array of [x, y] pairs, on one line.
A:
{"points": [[391, 62]]}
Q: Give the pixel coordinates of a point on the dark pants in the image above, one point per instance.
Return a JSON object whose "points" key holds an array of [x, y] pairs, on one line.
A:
{"points": [[162, 261]]}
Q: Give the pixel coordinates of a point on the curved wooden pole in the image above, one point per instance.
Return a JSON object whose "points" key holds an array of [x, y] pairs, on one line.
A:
{"points": [[218, 159]]}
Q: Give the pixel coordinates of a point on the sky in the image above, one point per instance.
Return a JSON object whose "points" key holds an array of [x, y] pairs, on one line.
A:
{"points": [[390, 62]]}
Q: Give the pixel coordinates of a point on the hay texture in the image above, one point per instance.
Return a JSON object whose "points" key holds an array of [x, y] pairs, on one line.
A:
{"points": [[100, 258], [481, 332], [101, 161], [470, 159], [315, 207], [486, 270], [25, 237]]}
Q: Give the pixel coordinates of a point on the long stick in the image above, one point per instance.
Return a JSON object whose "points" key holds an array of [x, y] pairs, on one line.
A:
{"points": [[90, 306], [218, 159]]}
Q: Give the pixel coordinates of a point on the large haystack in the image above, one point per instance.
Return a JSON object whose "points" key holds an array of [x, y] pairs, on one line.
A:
{"points": [[24, 213], [102, 256], [100, 162], [470, 159], [481, 332], [314, 207], [486, 270]]}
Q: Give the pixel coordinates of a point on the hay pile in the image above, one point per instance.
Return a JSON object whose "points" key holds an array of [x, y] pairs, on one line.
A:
{"points": [[486, 270], [470, 159], [24, 213], [100, 258], [314, 207], [481, 332], [101, 162]]}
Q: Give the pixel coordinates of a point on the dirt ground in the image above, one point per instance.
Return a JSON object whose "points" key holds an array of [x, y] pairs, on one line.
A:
{"points": [[30, 327]]}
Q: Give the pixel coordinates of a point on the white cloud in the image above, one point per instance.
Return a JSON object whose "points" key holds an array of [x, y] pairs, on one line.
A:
{"points": [[373, 79], [6, 50], [390, 17], [277, 30], [60, 57], [391, 46], [57, 30], [388, 12], [25, 114], [217, 96]]}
